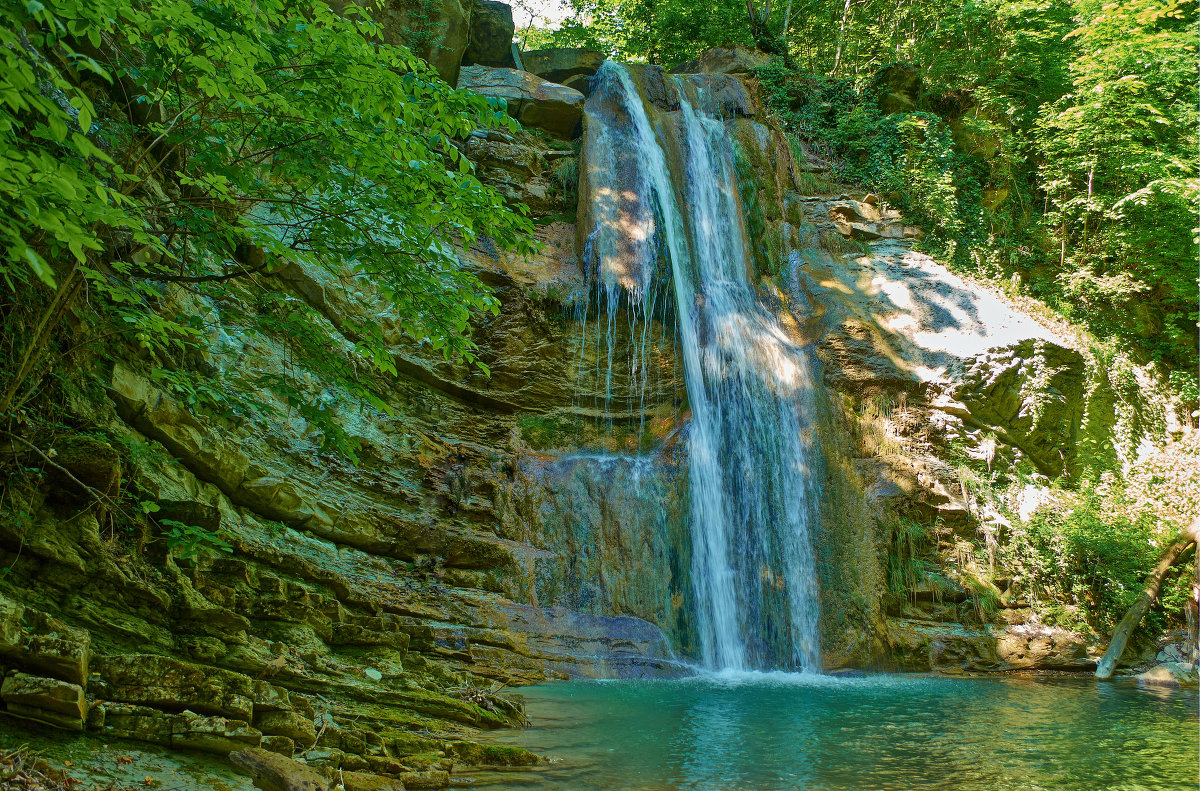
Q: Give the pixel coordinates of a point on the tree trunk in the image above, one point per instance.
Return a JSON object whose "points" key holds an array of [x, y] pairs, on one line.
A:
{"points": [[783, 35], [837, 60], [1120, 635]]}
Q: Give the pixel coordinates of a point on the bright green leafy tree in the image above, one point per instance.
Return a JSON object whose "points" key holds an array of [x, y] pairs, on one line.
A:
{"points": [[145, 143], [1119, 168]]}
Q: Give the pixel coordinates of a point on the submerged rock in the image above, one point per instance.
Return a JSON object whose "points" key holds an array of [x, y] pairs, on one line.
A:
{"points": [[846, 673], [1172, 674]]}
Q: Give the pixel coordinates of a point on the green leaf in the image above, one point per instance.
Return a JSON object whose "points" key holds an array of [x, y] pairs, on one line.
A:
{"points": [[40, 267]]}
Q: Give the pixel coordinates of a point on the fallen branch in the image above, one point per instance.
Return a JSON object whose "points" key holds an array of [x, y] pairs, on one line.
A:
{"points": [[1120, 636]]}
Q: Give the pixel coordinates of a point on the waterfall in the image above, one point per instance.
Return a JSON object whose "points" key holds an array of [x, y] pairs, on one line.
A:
{"points": [[619, 263], [665, 204]]}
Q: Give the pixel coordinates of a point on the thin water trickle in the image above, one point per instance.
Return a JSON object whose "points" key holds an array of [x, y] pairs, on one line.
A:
{"points": [[750, 468]]}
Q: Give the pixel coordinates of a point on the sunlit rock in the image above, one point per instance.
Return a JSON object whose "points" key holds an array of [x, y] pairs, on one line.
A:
{"points": [[533, 101]]}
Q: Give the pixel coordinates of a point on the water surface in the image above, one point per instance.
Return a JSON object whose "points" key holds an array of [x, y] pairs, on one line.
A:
{"points": [[765, 732]]}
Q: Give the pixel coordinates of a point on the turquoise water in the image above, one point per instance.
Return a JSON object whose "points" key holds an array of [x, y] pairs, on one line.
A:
{"points": [[768, 732]]}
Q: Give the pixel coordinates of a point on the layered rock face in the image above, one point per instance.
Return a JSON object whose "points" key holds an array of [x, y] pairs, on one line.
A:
{"points": [[359, 606]]}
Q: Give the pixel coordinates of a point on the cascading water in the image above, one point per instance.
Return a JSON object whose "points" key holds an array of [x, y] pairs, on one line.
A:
{"points": [[752, 490], [618, 262]]}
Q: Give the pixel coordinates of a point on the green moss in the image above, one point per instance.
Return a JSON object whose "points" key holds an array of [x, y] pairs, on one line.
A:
{"points": [[809, 183], [493, 754], [761, 235], [834, 243], [544, 432]]}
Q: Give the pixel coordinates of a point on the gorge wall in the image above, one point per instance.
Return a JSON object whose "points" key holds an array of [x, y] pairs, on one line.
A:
{"points": [[535, 522]]}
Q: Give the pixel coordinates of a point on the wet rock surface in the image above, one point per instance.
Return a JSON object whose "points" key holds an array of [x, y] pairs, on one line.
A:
{"points": [[1171, 674]]}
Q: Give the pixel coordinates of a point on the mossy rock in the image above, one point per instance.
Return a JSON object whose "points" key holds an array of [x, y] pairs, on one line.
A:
{"points": [[475, 754], [85, 460]]}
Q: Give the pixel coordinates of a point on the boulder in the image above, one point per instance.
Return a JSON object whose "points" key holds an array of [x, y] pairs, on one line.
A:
{"points": [[737, 59], [580, 82], [436, 30], [47, 700], [562, 64], [898, 87], [854, 211], [1171, 674], [658, 89], [491, 38], [477, 754], [534, 102], [1031, 394], [864, 220], [272, 772], [42, 645], [721, 95]]}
